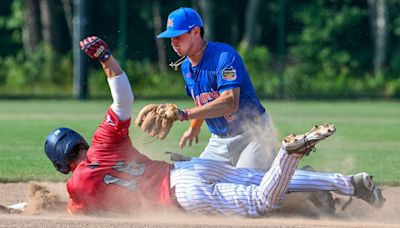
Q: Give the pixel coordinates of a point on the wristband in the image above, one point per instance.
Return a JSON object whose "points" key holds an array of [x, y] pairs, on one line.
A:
{"points": [[185, 116], [104, 56]]}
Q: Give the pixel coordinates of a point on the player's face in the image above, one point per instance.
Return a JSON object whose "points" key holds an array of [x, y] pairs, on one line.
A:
{"points": [[82, 156], [183, 44]]}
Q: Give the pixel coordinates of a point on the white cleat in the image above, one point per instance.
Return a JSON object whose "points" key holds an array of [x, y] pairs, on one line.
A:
{"points": [[304, 143], [365, 189]]}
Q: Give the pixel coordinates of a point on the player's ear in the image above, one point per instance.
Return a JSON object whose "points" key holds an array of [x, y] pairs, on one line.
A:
{"points": [[196, 31]]}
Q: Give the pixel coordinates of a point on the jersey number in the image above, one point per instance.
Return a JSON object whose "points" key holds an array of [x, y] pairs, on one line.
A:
{"points": [[133, 169]]}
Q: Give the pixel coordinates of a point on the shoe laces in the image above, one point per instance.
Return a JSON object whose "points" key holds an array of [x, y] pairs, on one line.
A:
{"points": [[308, 145]]}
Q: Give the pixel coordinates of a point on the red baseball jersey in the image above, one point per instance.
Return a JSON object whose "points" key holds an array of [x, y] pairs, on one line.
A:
{"points": [[116, 176]]}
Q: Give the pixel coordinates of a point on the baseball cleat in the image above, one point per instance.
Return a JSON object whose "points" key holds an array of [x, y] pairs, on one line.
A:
{"points": [[304, 143], [365, 189]]}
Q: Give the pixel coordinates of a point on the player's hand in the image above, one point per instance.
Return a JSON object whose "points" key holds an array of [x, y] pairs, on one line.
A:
{"points": [[189, 135], [95, 48]]}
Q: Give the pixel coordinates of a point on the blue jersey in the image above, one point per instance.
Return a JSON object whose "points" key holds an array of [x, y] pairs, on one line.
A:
{"points": [[221, 69]]}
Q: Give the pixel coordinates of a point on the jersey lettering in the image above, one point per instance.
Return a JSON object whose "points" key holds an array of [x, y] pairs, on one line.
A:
{"points": [[205, 97], [133, 169], [110, 179]]}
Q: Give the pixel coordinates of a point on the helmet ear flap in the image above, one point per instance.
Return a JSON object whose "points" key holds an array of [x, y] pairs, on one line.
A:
{"points": [[61, 168], [57, 165]]}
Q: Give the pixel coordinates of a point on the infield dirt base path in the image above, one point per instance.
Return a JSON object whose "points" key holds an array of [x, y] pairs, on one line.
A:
{"points": [[296, 212]]}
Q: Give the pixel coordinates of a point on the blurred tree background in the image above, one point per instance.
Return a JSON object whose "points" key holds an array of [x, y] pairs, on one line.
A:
{"points": [[292, 49]]}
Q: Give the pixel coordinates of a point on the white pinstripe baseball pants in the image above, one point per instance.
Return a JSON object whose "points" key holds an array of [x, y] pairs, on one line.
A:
{"points": [[213, 187]]}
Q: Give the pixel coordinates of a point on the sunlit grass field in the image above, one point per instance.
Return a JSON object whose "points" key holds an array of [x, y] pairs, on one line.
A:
{"points": [[367, 137]]}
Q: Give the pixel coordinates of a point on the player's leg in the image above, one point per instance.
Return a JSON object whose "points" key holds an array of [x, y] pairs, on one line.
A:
{"points": [[253, 148], [209, 171], [251, 200], [302, 180], [235, 199], [309, 181], [217, 149], [244, 150], [253, 152], [359, 185], [213, 171], [258, 146]]}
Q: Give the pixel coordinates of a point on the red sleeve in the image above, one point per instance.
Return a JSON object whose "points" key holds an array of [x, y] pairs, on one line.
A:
{"points": [[112, 129], [71, 208]]}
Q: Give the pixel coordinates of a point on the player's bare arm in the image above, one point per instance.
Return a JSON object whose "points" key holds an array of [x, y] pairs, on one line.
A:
{"points": [[225, 104], [111, 67]]}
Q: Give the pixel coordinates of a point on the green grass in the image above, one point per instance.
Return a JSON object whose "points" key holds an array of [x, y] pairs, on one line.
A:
{"points": [[367, 137]]}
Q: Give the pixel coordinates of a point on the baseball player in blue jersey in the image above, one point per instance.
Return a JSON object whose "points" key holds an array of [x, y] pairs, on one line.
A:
{"points": [[217, 80]]}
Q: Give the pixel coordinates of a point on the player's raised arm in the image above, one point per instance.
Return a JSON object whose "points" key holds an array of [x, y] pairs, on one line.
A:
{"points": [[119, 84]]}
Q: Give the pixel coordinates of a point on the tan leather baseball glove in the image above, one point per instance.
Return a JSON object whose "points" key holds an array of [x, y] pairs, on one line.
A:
{"points": [[158, 119]]}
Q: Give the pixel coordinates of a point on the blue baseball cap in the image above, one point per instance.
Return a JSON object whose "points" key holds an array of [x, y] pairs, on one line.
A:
{"points": [[180, 22]]}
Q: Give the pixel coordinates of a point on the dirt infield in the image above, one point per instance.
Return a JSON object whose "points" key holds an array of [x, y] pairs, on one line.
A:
{"points": [[295, 213]]}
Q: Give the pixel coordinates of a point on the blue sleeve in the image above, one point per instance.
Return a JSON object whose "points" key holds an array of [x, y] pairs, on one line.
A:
{"points": [[187, 91], [230, 71], [185, 70]]}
